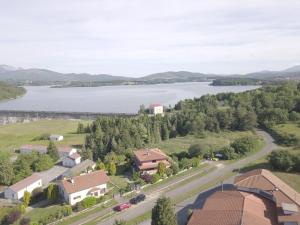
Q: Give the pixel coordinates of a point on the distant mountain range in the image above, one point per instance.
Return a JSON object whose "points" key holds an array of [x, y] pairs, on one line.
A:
{"points": [[22, 76]]}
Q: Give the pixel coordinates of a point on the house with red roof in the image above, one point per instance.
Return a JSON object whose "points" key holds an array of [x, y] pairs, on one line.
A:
{"points": [[77, 188], [16, 191], [156, 109], [147, 160]]}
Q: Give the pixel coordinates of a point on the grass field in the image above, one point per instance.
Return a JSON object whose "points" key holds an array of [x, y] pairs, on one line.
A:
{"points": [[12, 136], [288, 128], [216, 140]]}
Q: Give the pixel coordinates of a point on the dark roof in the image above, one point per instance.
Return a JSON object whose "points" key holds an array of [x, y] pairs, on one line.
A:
{"points": [[79, 168]]}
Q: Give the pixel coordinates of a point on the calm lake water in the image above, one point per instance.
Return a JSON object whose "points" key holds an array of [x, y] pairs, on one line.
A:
{"points": [[115, 99]]}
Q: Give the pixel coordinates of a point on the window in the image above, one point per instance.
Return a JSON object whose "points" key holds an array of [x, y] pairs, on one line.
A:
{"points": [[77, 197]]}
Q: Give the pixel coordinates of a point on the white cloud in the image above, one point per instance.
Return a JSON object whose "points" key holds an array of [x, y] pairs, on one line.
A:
{"points": [[139, 37]]}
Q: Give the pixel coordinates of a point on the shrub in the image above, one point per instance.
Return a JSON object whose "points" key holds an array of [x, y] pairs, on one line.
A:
{"points": [[13, 216], [67, 210], [244, 145], [174, 167], [25, 221], [21, 207], [155, 178], [161, 169], [89, 202], [228, 153], [198, 150], [185, 163], [195, 162], [52, 193], [282, 160], [135, 175], [169, 172]]}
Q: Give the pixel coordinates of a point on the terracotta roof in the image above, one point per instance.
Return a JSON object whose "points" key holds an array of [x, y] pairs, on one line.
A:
{"points": [[152, 165], [235, 208], [155, 105], [265, 180], [64, 149], [75, 156], [25, 182], [144, 155], [86, 181]]}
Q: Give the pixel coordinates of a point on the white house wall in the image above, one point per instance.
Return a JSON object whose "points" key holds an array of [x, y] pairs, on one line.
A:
{"points": [[10, 194]]}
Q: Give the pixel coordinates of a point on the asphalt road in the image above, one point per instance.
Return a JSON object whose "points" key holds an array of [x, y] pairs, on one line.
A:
{"points": [[194, 202]]}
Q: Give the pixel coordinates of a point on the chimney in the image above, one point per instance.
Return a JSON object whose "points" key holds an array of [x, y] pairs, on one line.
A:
{"points": [[72, 181]]}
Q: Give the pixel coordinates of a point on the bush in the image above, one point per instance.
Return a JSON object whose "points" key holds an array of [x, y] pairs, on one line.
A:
{"points": [[89, 202], [155, 178], [195, 162], [169, 172], [244, 145], [37, 195], [67, 210], [185, 163], [13, 216], [282, 160], [228, 153], [198, 150], [25, 221], [161, 169], [174, 167]]}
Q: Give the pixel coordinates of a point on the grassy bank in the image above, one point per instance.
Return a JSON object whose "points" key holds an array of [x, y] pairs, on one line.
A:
{"points": [[8, 91], [216, 140], [12, 136]]}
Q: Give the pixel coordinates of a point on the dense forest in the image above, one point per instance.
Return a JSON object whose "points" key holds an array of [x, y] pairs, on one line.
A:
{"points": [[262, 107], [236, 81], [8, 91]]}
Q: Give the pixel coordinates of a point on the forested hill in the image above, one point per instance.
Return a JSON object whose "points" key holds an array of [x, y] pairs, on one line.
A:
{"points": [[8, 91], [265, 107]]}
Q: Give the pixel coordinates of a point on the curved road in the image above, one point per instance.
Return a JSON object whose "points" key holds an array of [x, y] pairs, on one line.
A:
{"points": [[148, 204]]}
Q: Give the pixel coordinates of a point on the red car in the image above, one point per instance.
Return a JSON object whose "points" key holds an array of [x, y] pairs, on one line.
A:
{"points": [[122, 207]]}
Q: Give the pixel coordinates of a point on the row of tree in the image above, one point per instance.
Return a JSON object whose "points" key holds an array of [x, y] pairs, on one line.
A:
{"points": [[266, 106]]}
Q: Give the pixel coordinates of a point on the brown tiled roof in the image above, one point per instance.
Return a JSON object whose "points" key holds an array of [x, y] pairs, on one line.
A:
{"points": [[64, 149], [265, 180], [144, 155], [235, 208], [86, 181], [145, 166], [25, 182], [75, 156]]}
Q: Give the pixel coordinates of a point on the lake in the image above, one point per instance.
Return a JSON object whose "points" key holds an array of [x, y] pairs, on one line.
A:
{"points": [[112, 99]]}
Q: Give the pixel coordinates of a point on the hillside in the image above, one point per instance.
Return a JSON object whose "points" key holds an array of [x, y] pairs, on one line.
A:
{"points": [[20, 76], [8, 91]]}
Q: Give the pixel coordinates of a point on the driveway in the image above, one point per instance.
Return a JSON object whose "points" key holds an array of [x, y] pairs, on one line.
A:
{"points": [[51, 174], [148, 204]]}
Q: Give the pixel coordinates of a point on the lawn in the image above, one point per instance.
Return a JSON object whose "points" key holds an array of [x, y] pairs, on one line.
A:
{"points": [[216, 140], [36, 214], [288, 128], [12, 136]]}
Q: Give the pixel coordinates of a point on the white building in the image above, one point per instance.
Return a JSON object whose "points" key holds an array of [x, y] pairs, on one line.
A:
{"points": [[71, 160], [16, 191], [156, 109], [56, 137], [62, 151], [78, 188]]}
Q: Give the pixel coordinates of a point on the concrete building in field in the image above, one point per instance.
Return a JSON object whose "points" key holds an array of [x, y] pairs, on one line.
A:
{"points": [[72, 160], [62, 151], [147, 160], [78, 188], [16, 191], [56, 137], [156, 109], [259, 198]]}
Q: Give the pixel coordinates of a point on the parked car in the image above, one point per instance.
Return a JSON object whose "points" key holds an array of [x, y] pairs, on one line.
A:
{"points": [[138, 199], [122, 206]]}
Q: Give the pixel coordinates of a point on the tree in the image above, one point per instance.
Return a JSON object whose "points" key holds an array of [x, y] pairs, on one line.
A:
{"points": [[244, 145], [6, 171], [228, 153], [163, 212], [161, 169], [80, 128], [174, 167], [100, 165], [26, 198], [52, 193], [52, 151], [197, 150], [112, 169], [165, 132], [44, 162], [282, 160]]}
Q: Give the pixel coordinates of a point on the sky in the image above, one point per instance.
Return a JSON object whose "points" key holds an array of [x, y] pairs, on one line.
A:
{"points": [[140, 37]]}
